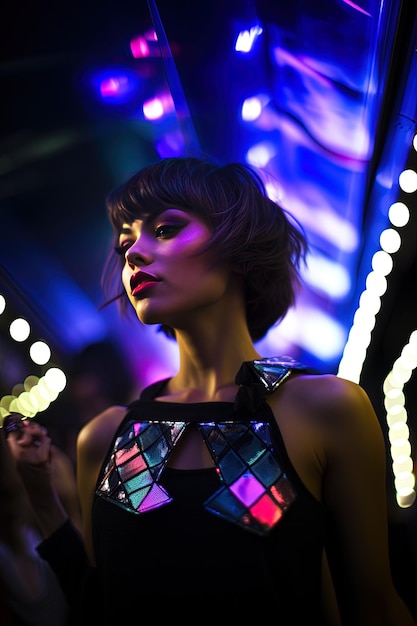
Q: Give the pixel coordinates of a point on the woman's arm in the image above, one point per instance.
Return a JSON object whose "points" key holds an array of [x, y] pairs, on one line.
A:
{"points": [[355, 496], [31, 449], [62, 547]]}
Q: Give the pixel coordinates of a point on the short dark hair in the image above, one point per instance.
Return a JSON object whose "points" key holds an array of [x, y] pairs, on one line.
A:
{"points": [[250, 230]]}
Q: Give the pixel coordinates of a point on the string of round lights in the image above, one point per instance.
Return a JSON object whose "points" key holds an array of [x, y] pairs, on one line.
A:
{"points": [[359, 338], [35, 393]]}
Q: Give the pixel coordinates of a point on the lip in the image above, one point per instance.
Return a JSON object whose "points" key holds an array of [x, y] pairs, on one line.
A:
{"points": [[140, 281]]}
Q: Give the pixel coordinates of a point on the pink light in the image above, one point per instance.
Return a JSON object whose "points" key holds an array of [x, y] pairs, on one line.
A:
{"points": [[114, 86], [355, 6], [247, 489], [139, 47], [153, 109], [266, 512], [150, 35], [156, 108]]}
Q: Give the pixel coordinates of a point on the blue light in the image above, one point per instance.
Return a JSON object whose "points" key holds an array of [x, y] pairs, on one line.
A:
{"points": [[115, 85]]}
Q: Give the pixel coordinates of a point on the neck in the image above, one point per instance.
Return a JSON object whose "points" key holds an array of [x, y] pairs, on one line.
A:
{"points": [[209, 361], [213, 342]]}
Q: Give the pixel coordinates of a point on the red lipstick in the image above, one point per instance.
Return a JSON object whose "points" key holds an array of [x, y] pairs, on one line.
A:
{"points": [[140, 281]]}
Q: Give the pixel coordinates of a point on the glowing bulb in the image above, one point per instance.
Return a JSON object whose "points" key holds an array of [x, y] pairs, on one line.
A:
{"points": [[40, 353], [408, 181], [19, 329]]}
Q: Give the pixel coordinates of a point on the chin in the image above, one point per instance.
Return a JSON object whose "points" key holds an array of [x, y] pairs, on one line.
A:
{"points": [[147, 318]]}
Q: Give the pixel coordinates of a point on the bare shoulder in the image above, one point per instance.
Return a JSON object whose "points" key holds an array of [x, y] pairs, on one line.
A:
{"points": [[329, 395], [325, 405], [95, 437], [322, 419]]}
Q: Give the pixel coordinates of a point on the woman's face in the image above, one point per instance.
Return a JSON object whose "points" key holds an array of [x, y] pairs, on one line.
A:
{"points": [[166, 279]]}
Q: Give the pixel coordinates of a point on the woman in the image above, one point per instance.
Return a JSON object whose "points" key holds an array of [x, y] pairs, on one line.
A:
{"points": [[248, 485]]}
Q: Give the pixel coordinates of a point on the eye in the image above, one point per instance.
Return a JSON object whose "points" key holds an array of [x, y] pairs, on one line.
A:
{"points": [[167, 231]]}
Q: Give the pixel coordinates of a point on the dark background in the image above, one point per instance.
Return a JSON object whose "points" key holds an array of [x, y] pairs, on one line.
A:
{"points": [[63, 149]]}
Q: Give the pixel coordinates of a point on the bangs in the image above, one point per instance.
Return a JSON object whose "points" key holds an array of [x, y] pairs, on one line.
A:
{"points": [[187, 184], [152, 190], [124, 206]]}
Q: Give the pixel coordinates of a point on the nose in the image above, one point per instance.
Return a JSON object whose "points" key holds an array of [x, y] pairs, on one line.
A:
{"points": [[137, 255]]}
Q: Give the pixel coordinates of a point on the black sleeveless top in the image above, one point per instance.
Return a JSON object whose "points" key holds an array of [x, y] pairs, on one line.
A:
{"points": [[245, 537]]}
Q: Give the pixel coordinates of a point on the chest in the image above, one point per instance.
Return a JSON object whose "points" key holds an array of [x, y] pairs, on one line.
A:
{"points": [[255, 490]]}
